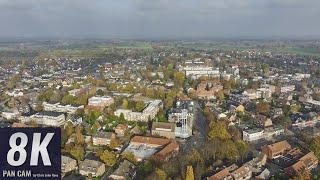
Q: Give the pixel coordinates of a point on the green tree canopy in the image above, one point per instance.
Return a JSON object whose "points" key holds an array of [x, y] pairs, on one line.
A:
{"points": [[108, 157], [219, 131]]}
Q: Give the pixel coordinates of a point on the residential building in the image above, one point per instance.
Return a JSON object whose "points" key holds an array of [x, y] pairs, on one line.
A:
{"points": [[68, 164], [207, 90], [126, 170], [102, 138], [121, 129], [61, 108], [91, 167], [183, 116], [46, 118], [252, 134], [287, 88], [9, 115], [242, 173], [144, 147], [252, 94], [221, 175], [197, 68], [258, 133], [168, 152], [100, 102], [149, 112], [263, 121], [163, 129], [305, 163], [277, 149]]}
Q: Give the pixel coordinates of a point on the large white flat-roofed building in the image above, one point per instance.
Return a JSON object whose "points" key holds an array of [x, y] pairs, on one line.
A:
{"points": [[61, 108], [46, 118], [197, 68], [258, 133], [252, 134], [149, 112], [101, 102]]}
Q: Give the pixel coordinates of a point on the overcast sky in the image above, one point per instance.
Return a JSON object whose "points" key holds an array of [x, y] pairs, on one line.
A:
{"points": [[159, 18]]}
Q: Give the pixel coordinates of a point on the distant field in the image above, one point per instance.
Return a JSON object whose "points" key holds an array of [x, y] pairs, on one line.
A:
{"points": [[297, 50], [288, 49], [135, 45]]}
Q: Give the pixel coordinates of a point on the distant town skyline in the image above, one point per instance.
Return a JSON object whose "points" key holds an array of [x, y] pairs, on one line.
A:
{"points": [[159, 18]]}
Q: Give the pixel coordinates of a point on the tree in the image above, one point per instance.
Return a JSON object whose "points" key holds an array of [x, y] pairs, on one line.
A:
{"points": [[100, 92], [68, 99], [79, 136], [295, 108], [218, 131], [229, 150], [38, 107], [121, 118], [243, 149], [114, 143], [129, 88], [13, 81], [82, 99], [46, 95], [179, 78], [68, 129], [129, 156], [285, 121], [189, 173], [77, 152], [145, 169], [220, 95], [227, 85], [125, 104], [160, 174], [263, 107], [108, 158], [315, 146], [172, 168], [139, 106], [150, 93], [92, 116]]}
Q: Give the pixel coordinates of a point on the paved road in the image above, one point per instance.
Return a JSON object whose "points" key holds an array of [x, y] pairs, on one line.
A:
{"points": [[200, 121], [199, 134]]}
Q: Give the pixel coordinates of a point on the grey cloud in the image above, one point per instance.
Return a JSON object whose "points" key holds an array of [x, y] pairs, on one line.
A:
{"points": [[159, 18]]}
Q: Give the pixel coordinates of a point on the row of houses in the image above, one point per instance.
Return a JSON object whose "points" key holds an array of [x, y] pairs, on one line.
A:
{"points": [[292, 160], [142, 147]]}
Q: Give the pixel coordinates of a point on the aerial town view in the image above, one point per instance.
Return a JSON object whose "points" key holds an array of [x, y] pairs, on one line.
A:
{"points": [[141, 95]]}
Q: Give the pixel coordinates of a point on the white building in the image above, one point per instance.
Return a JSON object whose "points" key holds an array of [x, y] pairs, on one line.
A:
{"points": [[197, 68], [252, 134], [257, 134], [288, 88], [14, 93], [47, 118], [10, 114], [61, 108], [103, 101], [200, 71], [149, 112], [183, 116]]}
